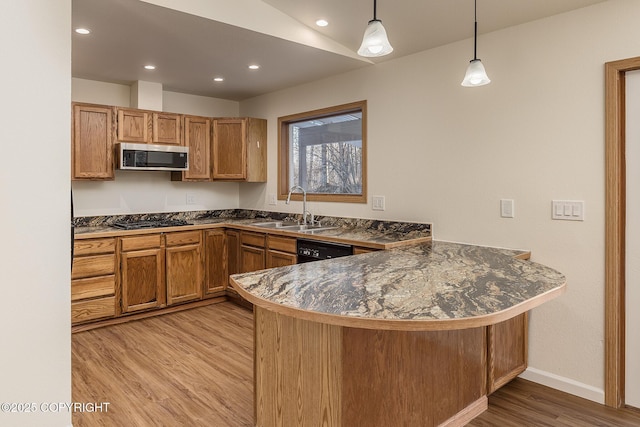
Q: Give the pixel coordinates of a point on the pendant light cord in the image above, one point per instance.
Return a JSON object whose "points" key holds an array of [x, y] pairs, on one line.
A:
{"points": [[475, 28], [375, 2]]}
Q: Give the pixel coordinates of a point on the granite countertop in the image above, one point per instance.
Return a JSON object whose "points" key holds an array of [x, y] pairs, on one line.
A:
{"points": [[376, 234], [427, 286]]}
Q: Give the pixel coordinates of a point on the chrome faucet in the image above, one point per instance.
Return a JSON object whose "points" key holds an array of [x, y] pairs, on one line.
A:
{"points": [[304, 203]]}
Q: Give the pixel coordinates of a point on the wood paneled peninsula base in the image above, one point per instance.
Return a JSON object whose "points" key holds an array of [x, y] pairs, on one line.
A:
{"points": [[413, 336]]}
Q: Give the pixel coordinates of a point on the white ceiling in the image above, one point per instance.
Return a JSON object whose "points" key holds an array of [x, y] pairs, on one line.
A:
{"points": [[189, 50]]}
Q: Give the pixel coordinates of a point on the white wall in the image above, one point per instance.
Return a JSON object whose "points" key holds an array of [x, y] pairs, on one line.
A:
{"points": [[35, 355], [446, 154], [143, 191]]}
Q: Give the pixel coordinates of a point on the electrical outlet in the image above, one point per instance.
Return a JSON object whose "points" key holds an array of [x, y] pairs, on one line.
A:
{"points": [[273, 201], [377, 203], [191, 199], [568, 210], [506, 208]]}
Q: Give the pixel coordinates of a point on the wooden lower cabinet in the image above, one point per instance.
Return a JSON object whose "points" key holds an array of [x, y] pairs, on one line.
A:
{"points": [[93, 280], [184, 266], [142, 269], [252, 252], [216, 255], [233, 258], [507, 351], [253, 258], [281, 251]]}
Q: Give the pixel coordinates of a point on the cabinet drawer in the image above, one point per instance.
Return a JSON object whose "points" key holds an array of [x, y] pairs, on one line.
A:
{"points": [[93, 287], [252, 239], [140, 242], [94, 246], [183, 238], [91, 266], [284, 244], [93, 309]]}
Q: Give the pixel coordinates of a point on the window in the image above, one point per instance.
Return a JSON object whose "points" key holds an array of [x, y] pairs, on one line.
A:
{"points": [[324, 152]]}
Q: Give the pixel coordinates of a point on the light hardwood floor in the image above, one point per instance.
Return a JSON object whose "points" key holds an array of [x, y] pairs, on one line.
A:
{"points": [[194, 368]]}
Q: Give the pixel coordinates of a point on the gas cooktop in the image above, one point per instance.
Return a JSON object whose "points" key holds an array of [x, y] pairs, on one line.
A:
{"points": [[135, 225]]}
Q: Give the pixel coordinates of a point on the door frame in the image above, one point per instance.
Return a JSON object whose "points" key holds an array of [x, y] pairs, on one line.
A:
{"points": [[615, 228]]}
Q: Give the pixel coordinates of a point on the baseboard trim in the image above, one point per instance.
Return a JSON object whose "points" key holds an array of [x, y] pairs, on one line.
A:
{"points": [[566, 385]]}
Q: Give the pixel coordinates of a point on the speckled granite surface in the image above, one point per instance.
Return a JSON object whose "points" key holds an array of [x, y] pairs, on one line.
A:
{"points": [[429, 281], [375, 232]]}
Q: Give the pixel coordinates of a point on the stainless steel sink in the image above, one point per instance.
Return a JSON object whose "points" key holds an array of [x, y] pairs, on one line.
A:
{"points": [[275, 224], [289, 226]]}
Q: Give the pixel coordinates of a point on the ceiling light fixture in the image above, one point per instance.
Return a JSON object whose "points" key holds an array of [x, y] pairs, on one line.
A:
{"points": [[218, 79], [83, 31], [476, 74], [322, 23], [149, 67], [375, 41], [254, 67]]}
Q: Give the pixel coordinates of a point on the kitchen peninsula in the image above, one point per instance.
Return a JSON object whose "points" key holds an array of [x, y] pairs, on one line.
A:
{"points": [[405, 336]]}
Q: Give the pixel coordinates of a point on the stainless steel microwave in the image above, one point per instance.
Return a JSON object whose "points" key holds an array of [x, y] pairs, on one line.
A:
{"points": [[150, 157]]}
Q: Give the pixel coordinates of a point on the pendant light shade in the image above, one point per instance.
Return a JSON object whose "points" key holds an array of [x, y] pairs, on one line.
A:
{"points": [[375, 41], [476, 74]]}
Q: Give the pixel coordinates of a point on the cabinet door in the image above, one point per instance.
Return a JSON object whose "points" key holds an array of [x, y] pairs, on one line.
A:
{"points": [[280, 259], [256, 146], [184, 273], [233, 257], [133, 125], [507, 351], [281, 251], [197, 136], [215, 262], [92, 142], [167, 128], [229, 149], [252, 258], [142, 279]]}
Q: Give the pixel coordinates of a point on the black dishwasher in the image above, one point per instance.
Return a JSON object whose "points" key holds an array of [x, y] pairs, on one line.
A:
{"points": [[313, 250]]}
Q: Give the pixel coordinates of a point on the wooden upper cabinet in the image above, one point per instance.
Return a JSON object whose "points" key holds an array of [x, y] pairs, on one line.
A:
{"points": [[197, 136], [167, 128], [133, 125], [240, 149], [151, 127], [92, 142]]}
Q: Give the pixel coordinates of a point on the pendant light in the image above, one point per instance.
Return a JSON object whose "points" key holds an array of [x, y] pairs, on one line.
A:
{"points": [[475, 75], [375, 41]]}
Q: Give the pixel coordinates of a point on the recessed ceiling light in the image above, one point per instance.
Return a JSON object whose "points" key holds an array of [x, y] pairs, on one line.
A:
{"points": [[322, 23], [83, 31], [218, 79], [254, 66], [150, 67]]}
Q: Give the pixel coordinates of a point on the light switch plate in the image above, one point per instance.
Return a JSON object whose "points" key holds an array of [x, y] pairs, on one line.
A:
{"points": [[567, 210], [273, 201], [191, 199], [377, 203], [507, 208]]}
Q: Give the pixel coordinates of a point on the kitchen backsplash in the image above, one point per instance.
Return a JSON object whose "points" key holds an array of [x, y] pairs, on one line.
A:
{"points": [[379, 225]]}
